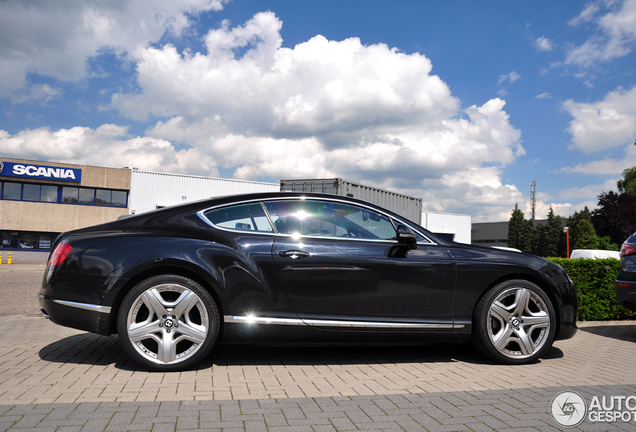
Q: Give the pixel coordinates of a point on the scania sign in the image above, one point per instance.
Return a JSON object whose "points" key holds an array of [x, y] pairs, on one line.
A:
{"points": [[41, 172]]}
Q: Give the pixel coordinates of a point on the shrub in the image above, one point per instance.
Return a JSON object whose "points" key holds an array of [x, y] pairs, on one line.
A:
{"points": [[594, 280]]}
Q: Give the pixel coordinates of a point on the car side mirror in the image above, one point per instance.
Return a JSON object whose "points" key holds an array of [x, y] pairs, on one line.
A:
{"points": [[406, 237]]}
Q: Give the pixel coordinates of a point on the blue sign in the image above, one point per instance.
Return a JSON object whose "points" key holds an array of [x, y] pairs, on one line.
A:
{"points": [[41, 172]]}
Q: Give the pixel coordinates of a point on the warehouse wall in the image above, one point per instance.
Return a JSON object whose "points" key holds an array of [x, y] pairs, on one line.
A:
{"points": [[152, 190]]}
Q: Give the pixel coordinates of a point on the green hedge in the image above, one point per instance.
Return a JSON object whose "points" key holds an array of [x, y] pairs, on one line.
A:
{"points": [[594, 280]]}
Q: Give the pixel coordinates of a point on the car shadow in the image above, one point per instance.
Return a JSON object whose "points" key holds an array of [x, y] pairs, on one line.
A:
{"points": [[92, 349], [88, 349], [620, 332]]}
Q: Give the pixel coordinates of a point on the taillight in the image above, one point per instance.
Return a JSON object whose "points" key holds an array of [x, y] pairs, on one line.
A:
{"points": [[627, 249], [59, 254]]}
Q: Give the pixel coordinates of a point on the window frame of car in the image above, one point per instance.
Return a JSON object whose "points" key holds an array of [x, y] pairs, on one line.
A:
{"points": [[394, 221]]}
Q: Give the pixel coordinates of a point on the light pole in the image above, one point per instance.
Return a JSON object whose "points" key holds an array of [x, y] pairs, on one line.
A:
{"points": [[566, 230]]}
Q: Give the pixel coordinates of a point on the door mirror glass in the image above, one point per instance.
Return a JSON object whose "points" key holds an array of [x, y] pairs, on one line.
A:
{"points": [[406, 237]]}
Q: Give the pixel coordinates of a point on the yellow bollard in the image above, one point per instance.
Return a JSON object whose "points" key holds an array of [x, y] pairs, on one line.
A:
{"points": [[0, 258], [9, 258]]}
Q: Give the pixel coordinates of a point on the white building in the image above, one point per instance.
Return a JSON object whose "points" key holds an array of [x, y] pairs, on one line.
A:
{"points": [[153, 190], [456, 227]]}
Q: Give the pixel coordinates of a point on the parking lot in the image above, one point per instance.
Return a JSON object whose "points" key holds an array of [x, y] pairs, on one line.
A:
{"points": [[59, 379]]}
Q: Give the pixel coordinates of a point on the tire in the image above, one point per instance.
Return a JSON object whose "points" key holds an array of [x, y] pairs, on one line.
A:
{"points": [[168, 323], [514, 323]]}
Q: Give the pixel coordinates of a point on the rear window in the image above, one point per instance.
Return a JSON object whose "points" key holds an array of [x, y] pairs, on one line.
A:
{"points": [[242, 217]]}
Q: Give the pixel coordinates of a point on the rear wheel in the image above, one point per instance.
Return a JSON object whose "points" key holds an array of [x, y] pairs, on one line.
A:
{"points": [[168, 323], [514, 323]]}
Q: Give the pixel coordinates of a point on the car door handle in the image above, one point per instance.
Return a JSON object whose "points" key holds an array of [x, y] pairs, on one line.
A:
{"points": [[294, 254]]}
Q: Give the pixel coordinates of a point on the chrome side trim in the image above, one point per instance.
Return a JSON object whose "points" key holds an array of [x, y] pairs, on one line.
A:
{"points": [[371, 324], [85, 306], [336, 323], [262, 320]]}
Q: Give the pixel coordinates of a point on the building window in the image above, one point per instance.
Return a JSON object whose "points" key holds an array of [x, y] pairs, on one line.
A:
{"points": [[8, 240], [63, 194], [102, 198], [12, 191], [45, 241], [70, 195], [87, 196], [42, 241], [119, 199], [28, 241], [30, 192], [49, 193]]}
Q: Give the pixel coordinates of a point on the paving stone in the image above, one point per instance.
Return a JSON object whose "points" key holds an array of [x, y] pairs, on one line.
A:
{"points": [[63, 379]]}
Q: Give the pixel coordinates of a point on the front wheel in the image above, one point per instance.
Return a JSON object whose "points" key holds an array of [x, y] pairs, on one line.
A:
{"points": [[168, 323], [514, 323]]}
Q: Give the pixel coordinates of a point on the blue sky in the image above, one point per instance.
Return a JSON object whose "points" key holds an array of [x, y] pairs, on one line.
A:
{"points": [[460, 103]]}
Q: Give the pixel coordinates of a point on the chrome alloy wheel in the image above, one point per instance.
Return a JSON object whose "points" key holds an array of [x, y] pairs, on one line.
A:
{"points": [[167, 323], [518, 323]]}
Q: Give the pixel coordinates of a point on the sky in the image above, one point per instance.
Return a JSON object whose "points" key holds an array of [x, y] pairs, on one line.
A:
{"points": [[458, 102]]}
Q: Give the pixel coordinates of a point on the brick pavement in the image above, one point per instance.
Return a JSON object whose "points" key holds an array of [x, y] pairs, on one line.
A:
{"points": [[59, 379]]}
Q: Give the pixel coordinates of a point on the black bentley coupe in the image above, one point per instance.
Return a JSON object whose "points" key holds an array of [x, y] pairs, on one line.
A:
{"points": [[298, 268]]}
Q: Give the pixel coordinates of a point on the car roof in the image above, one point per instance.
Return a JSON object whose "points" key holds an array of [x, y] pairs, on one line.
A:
{"points": [[169, 215]]}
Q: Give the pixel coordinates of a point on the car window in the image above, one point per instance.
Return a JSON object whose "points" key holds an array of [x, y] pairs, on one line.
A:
{"points": [[243, 217], [328, 219]]}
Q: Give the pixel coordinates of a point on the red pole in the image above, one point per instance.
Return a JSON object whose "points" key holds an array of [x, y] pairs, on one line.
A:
{"points": [[567, 235]]}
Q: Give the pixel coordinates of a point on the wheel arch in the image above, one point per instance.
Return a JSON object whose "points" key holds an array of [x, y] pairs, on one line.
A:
{"points": [[535, 280], [165, 269]]}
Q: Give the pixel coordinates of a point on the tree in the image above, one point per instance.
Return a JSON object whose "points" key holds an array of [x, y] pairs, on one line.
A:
{"points": [[520, 232], [582, 233], [532, 238], [586, 236], [550, 236], [604, 243], [628, 183], [615, 216], [516, 229]]}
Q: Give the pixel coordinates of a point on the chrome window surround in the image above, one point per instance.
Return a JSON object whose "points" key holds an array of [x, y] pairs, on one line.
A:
{"points": [[335, 323], [276, 233]]}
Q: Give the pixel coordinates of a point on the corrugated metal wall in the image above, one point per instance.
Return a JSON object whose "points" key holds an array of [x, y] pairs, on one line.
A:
{"points": [[151, 190], [404, 205]]}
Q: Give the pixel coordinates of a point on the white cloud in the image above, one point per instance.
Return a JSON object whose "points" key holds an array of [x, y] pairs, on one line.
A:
{"points": [[319, 87], [589, 192], [604, 124], [108, 145], [616, 32], [37, 92], [322, 108], [56, 38], [543, 44], [563, 209], [512, 77], [605, 166], [544, 96], [587, 14]]}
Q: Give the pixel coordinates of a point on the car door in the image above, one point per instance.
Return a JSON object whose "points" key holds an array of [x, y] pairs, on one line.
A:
{"points": [[340, 265], [243, 265]]}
